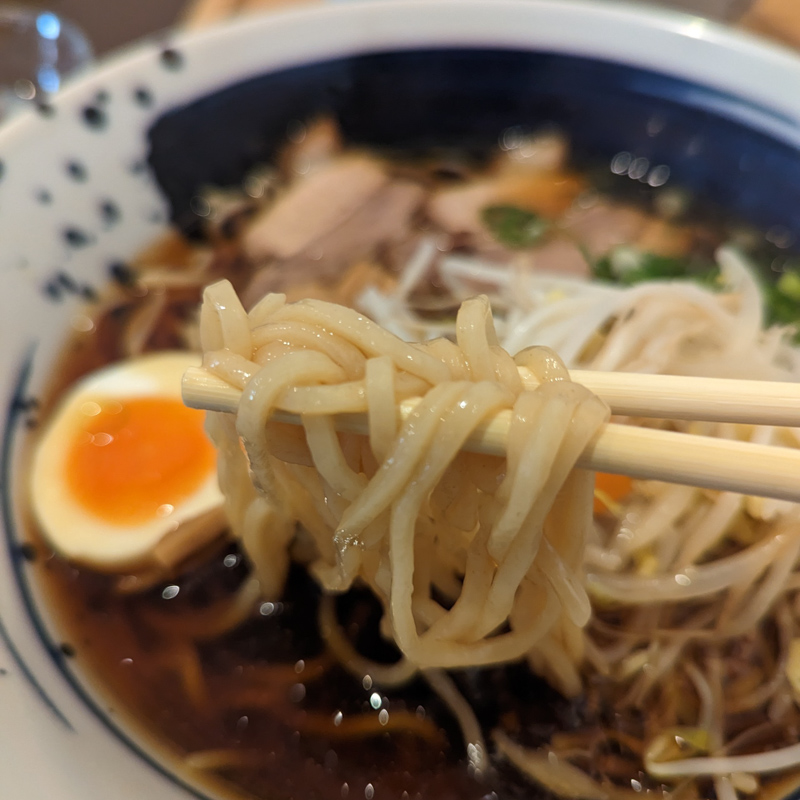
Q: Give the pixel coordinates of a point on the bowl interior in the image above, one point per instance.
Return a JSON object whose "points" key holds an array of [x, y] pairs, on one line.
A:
{"points": [[466, 98]]}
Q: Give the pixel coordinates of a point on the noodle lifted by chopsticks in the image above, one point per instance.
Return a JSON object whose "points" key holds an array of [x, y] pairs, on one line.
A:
{"points": [[475, 559]]}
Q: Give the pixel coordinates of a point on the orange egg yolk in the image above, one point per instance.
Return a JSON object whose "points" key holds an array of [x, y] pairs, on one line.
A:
{"points": [[135, 460]]}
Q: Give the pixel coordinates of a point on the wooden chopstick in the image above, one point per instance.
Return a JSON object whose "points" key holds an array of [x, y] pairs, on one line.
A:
{"points": [[627, 394], [713, 399], [641, 453]]}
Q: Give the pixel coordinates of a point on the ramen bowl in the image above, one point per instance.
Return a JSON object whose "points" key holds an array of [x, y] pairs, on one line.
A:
{"points": [[122, 155]]}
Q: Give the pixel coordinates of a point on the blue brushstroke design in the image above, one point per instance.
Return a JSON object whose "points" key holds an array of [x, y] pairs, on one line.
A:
{"points": [[14, 415]]}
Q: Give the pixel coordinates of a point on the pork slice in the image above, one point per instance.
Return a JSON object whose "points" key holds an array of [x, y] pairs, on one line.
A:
{"points": [[385, 220], [561, 256], [604, 226], [607, 225], [313, 207], [458, 210]]}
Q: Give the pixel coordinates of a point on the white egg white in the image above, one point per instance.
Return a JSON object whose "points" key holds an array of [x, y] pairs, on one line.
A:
{"points": [[71, 529]]}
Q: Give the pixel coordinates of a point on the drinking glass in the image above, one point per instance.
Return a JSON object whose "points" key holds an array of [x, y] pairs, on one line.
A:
{"points": [[38, 49]]}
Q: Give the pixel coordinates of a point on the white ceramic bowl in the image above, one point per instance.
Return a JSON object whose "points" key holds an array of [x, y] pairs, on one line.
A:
{"points": [[76, 195]]}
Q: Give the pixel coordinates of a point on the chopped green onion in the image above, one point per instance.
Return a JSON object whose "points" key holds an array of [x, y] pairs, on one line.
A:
{"points": [[514, 227]]}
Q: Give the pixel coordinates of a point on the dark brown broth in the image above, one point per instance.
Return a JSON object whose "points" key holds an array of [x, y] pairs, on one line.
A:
{"points": [[115, 646]]}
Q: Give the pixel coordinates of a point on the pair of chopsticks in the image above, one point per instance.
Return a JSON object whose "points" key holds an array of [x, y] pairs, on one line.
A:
{"points": [[642, 453]]}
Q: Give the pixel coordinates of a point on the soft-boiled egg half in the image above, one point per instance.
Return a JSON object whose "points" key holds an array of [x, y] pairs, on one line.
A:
{"points": [[123, 464]]}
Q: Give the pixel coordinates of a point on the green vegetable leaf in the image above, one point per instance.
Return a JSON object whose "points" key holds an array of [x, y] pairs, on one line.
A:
{"points": [[789, 285], [514, 227], [628, 266], [783, 301]]}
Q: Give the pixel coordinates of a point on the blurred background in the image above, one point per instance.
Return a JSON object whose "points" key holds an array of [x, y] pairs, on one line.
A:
{"points": [[111, 23], [42, 41]]}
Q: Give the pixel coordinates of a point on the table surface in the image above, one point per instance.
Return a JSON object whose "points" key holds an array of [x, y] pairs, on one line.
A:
{"points": [[112, 23]]}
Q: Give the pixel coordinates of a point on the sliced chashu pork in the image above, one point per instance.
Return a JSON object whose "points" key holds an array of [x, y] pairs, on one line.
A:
{"points": [[382, 218], [313, 207], [459, 209], [606, 225]]}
